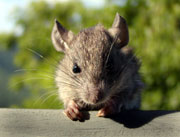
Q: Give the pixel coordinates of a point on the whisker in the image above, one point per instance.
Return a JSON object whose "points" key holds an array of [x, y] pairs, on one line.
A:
{"points": [[69, 84], [26, 70], [48, 98], [36, 53], [19, 70], [46, 76], [51, 87], [56, 100], [27, 79], [112, 44], [43, 95], [115, 85], [74, 78], [42, 57]]}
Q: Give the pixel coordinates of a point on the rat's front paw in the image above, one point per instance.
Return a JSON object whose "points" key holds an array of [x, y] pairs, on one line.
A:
{"points": [[109, 109], [106, 111], [72, 111]]}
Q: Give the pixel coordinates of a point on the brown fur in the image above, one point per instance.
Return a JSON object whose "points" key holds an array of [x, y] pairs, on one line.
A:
{"points": [[109, 69]]}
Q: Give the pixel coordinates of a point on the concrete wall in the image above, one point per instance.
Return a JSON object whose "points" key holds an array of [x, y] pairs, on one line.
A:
{"points": [[52, 123]]}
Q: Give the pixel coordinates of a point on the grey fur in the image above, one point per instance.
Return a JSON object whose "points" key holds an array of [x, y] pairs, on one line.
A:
{"points": [[109, 69]]}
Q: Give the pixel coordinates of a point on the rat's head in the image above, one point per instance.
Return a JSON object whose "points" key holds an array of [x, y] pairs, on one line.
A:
{"points": [[89, 63]]}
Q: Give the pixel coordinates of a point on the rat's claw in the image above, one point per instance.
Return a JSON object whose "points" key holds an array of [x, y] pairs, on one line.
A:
{"points": [[72, 111]]}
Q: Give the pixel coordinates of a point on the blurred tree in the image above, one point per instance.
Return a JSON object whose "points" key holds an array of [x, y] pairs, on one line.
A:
{"points": [[154, 33]]}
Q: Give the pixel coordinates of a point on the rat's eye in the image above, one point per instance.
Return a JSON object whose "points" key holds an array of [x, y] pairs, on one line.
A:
{"points": [[76, 68]]}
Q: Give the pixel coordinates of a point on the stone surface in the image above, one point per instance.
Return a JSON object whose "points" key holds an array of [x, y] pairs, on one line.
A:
{"points": [[52, 123]]}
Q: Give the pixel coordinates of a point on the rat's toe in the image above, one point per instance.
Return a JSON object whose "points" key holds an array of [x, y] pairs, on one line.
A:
{"points": [[73, 113], [101, 113], [106, 111]]}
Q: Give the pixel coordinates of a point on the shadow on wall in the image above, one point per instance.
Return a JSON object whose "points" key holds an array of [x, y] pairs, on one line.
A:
{"points": [[133, 118], [136, 119]]}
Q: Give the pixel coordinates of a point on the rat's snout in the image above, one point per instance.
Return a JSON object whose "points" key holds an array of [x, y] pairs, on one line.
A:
{"points": [[94, 95]]}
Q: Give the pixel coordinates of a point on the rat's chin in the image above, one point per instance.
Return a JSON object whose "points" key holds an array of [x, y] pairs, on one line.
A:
{"points": [[95, 102]]}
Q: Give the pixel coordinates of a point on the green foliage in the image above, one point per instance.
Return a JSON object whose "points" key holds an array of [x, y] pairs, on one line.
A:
{"points": [[155, 34], [7, 41], [154, 28]]}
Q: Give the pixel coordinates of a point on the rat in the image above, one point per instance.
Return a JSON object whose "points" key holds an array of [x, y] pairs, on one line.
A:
{"points": [[99, 71]]}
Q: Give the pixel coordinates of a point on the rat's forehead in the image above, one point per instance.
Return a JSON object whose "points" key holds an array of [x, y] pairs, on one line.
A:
{"points": [[90, 45], [95, 38]]}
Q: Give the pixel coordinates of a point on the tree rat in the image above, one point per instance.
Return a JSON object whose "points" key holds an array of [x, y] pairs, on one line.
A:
{"points": [[98, 70]]}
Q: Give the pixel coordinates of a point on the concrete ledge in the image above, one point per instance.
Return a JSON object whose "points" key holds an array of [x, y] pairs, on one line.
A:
{"points": [[52, 123]]}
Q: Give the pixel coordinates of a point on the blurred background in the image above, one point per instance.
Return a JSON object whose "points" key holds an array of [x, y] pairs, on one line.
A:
{"points": [[28, 59]]}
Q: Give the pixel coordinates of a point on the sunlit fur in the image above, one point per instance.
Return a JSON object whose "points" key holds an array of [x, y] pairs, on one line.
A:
{"points": [[94, 51]]}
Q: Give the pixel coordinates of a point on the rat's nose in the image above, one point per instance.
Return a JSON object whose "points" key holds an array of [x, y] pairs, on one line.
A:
{"points": [[95, 96]]}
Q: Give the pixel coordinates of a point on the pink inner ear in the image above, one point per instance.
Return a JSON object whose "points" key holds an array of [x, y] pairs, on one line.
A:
{"points": [[61, 37]]}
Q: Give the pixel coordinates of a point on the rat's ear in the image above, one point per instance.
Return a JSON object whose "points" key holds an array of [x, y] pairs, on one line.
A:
{"points": [[119, 31], [61, 37]]}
